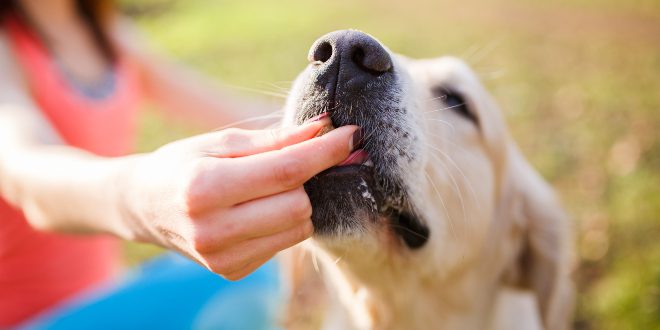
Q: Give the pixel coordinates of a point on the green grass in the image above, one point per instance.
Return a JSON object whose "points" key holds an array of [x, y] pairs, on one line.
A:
{"points": [[579, 82]]}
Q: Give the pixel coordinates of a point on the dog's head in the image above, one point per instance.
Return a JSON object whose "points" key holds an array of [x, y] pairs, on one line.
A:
{"points": [[437, 188]]}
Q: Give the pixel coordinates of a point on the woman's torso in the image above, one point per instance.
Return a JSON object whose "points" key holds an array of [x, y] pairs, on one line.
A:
{"points": [[38, 269]]}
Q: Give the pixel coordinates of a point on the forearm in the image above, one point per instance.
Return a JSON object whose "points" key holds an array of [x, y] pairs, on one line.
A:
{"points": [[65, 189], [184, 93]]}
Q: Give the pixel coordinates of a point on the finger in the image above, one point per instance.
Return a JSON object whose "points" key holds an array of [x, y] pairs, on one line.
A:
{"points": [[240, 255], [247, 270], [232, 181], [231, 143], [261, 217]]}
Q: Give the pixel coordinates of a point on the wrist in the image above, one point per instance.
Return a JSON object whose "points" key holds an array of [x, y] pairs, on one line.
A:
{"points": [[126, 220]]}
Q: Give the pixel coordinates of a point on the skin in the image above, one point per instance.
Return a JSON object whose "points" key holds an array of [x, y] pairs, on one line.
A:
{"points": [[228, 199]]}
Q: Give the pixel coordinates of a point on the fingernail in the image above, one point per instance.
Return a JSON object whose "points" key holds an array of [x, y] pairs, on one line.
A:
{"points": [[318, 118], [356, 140], [324, 119]]}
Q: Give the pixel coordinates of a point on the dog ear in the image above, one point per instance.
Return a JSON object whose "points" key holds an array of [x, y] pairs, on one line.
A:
{"points": [[544, 260]]}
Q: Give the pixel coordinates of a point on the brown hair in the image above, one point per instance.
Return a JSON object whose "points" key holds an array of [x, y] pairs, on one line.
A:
{"points": [[95, 13]]}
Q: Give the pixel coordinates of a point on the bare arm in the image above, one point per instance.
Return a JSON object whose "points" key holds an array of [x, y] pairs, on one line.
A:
{"points": [[40, 174], [229, 200], [187, 94]]}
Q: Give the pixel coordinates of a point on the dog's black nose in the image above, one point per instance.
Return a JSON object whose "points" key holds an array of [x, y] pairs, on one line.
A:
{"points": [[347, 60]]}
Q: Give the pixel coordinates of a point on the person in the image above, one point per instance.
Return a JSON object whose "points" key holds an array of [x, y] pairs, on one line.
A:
{"points": [[72, 74]]}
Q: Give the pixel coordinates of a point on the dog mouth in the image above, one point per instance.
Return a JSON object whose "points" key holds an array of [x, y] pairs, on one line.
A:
{"points": [[361, 191], [354, 176], [357, 157], [352, 81]]}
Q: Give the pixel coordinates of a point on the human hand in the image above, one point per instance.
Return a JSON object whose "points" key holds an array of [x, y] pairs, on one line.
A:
{"points": [[232, 199]]}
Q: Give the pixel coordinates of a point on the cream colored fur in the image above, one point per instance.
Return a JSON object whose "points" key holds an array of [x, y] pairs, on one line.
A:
{"points": [[499, 251]]}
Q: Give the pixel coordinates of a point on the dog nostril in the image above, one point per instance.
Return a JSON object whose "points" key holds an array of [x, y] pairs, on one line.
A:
{"points": [[322, 53], [347, 60], [374, 59]]}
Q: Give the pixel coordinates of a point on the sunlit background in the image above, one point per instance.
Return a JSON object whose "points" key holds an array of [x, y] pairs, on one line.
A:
{"points": [[578, 80]]}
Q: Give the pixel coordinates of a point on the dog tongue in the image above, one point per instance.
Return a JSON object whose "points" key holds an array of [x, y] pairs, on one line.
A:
{"points": [[357, 157]]}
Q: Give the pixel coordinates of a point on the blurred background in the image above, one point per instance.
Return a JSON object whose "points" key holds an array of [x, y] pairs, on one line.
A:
{"points": [[578, 80]]}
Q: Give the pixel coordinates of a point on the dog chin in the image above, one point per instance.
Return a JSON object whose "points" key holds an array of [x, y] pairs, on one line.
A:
{"points": [[364, 245], [344, 199]]}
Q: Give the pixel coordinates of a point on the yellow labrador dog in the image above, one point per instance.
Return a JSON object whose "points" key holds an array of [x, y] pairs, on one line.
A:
{"points": [[437, 221]]}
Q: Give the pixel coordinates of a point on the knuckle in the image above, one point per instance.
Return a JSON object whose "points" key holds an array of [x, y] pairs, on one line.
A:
{"points": [[305, 231], [222, 265], [232, 138], [234, 277], [210, 240], [289, 173], [229, 135], [199, 185], [204, 243], [274, 135], [192, 202], [193, 189], [301, 207], [229, 232], [308, 229]]}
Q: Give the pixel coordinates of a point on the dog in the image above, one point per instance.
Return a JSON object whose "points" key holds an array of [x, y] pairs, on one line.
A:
{"points": [[437, 221]]}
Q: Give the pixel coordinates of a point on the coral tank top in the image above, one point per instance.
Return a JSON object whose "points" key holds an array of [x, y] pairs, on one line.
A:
{"points": [[39, 269]]}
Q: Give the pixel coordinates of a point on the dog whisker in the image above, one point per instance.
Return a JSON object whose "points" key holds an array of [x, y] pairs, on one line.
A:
{"points": [[261, 92], [449, 141], [368, 140], [285, 90], [444, 109], [442, 202], [444, 122], [482, 52], [491, 74], [455, 185], [467, 181], [274, 115], [395, 226], [441, 97], [315, 261], [470, 51]]}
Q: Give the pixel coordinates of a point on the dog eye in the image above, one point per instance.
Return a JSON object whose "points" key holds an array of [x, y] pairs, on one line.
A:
{"points": [[455, 102]]}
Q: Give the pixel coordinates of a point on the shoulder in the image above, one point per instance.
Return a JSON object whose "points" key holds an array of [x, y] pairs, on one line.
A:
{"points": [[19, 115], [6, 56], [7, 61], [12, 85]]}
